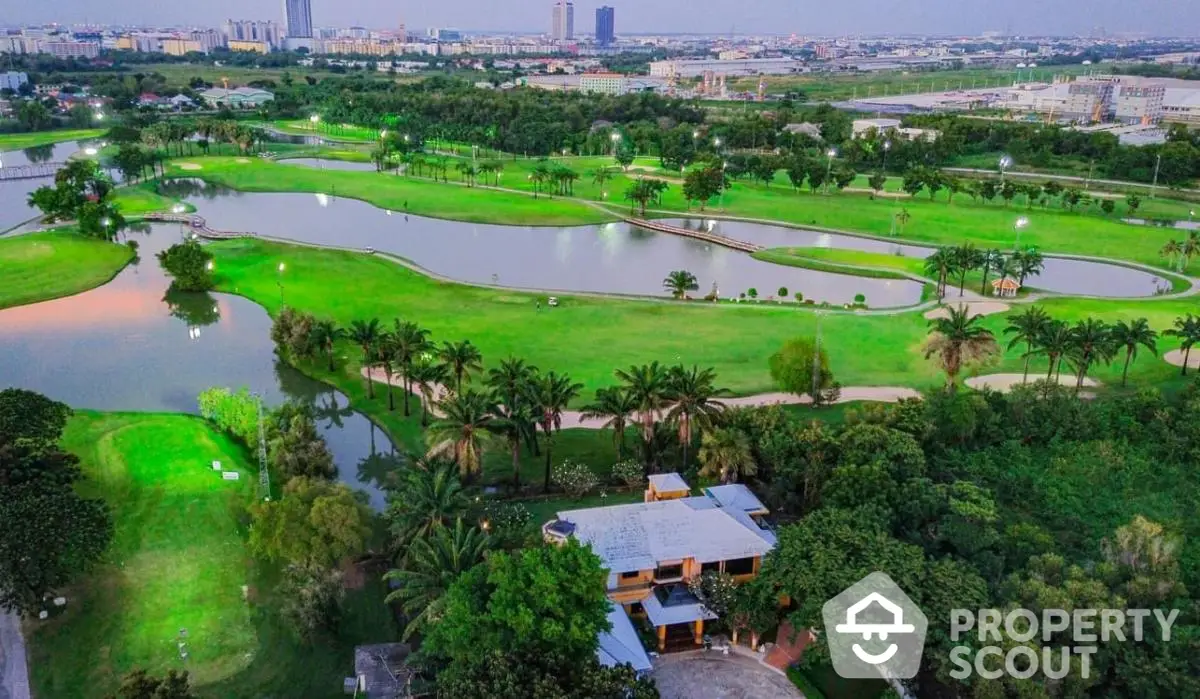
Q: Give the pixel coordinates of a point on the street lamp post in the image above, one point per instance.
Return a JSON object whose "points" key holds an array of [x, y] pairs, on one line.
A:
{"points": [[887, 146], [1154, 185], [314, 120], [1018, 226], [279, 281], [615, 137], [1006, 162], [829, 156], [724, 164]]}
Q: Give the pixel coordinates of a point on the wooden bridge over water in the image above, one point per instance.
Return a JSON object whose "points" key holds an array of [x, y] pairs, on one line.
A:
{"points": [[31, 171], [198, 225], [707, 236]]}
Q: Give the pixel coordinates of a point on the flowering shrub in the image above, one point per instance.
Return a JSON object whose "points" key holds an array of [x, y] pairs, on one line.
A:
{"points": [[574, 478], [629, 472]]}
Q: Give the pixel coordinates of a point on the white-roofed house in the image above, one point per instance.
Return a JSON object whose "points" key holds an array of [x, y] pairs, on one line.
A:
{"points": [[653, 548]]}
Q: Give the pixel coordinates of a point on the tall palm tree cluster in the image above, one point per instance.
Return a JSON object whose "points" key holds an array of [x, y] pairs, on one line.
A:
{"points": [[553, 178], [1083, 345], [949, 264], [1180, 253], [644, 191]]}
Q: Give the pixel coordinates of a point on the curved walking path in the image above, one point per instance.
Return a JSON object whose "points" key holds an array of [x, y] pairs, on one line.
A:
{"points": [[574, 418]]}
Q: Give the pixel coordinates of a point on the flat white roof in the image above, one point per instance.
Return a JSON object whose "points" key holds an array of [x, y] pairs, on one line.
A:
{"points": [[668, 482], [641, 535], [735, 496], [674, 614]]}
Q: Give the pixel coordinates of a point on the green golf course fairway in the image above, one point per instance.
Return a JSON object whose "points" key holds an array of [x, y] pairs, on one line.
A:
{"points": [[48, 265], [1052, 229], [17, 141], [177, 560]]}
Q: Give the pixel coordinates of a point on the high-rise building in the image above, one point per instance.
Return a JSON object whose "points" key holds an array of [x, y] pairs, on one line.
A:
{"points": [[562, 19], [605, 17], [297, 15], [252, 30]]}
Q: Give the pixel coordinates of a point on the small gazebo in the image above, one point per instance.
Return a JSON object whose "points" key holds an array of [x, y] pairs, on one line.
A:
{"points": [[1005, 287]]}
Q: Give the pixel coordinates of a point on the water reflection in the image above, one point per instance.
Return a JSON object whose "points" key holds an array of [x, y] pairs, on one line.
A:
{"points": [[39, 154], [134, 345]]}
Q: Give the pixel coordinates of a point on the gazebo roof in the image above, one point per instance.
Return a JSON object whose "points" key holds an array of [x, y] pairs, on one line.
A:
{"points": [[1005, 283]]}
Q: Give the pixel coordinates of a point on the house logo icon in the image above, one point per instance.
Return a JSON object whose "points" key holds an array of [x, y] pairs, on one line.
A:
{"points": [[874, 630]]}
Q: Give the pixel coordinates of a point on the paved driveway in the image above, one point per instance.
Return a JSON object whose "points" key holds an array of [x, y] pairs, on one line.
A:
{"points": [[715, 676], [14, 675]]}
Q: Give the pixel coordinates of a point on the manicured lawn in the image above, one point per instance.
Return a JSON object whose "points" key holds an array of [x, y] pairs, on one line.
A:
{"points": [[178, 561], [16, 141], [546, 509], [838, 261], [417, 195], [41, 266], [141, 199]]}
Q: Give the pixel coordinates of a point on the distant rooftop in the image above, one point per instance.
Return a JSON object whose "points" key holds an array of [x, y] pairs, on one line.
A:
{"points": [[668, 482]]}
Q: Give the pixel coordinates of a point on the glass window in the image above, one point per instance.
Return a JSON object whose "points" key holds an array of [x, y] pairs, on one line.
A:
{"points": [[740, 566]]}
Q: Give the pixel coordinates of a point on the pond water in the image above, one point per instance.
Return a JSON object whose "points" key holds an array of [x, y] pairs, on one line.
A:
{"points": [[14, 194], [130, 345], [611, 258], [1061, 275]]}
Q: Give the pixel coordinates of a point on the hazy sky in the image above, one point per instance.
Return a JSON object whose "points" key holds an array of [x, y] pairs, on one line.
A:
{"points": [[1167, 17]]}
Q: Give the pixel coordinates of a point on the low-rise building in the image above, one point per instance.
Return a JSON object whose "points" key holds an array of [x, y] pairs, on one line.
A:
{"points": [[1182, 106], [654, 548], [180, 47], [237, 98], [861, 127], [70, 49], [694, 68], [12, 80], [254, 46], [607, 83]]}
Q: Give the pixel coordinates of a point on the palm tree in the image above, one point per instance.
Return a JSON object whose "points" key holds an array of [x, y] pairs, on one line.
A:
{"points": [[514, 423], [680, 282], [461, 358], [325, 334], [600, 176], [725, 454], [1187, 329], [614, 405], [992, 261], [958, 339], [967, 259], [428, 496], [938, 266], [1130, 336], [1190, 247], [385, 349], [1091, 342], [1173, 251], [409, 341], [1027, 327], [648, 387], [1054, 342], [428, 377], [694, 408], [365, 335], [1028, 263], [432, 565], [548, 395], [466, 419], [510, 380]]}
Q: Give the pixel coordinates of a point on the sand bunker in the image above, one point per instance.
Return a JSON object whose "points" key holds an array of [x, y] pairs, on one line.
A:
{"points": [[1176, 357], [189, 166], [977, 308], [1005, 382]]}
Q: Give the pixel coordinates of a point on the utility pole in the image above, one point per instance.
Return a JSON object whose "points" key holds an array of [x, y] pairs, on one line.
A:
{"points": [[264, 476], [1154, 185]]}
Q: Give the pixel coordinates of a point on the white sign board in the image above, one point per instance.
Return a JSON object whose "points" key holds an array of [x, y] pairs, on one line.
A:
{"points": [[230, 475]]}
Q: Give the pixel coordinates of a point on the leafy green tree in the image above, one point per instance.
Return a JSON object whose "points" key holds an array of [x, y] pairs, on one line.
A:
{"points": [[432, 563], [296, 449], [232, 412], [190, 266], [542, 676], [311, 600], [315, 522], [877, 181], [139, 684], [30, 416], [792, 368], [1130, 336], [958, 339], [544, 600], [1133, 201], [32, 115]]}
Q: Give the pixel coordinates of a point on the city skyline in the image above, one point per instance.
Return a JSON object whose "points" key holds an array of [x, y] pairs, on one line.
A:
{"points": [[966, 17]]}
